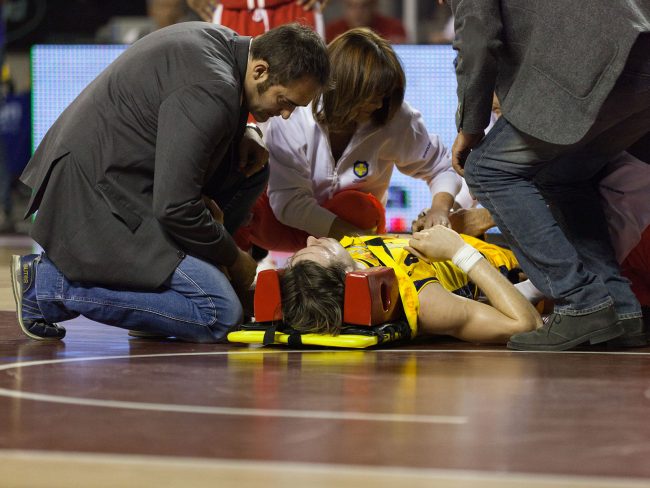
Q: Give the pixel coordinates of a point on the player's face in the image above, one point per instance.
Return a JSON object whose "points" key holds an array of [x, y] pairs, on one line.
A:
{"points": [[324, 251], [280, 100]]}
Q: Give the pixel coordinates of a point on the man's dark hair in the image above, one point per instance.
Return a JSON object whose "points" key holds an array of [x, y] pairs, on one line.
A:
{"points": [[312, 297], [292, 52]]}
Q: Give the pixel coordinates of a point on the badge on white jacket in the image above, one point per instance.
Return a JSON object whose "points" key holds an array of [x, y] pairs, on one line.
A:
{"points": [[360, 169]]}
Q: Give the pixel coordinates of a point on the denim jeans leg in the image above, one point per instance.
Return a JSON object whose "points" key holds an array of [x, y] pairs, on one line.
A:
{"points": [[500, 173], [569, 182], [196, 304], [570, 186]]}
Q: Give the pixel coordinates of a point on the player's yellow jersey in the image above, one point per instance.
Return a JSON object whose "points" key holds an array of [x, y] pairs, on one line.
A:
{"points": [[444, 272]]}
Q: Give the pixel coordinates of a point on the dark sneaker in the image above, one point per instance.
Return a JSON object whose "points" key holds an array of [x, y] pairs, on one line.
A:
{"points": [[562, 332], [140, 334], [634, 336], [23, 280]]}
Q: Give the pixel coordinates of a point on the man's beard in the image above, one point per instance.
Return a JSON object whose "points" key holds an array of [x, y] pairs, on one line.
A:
{"points": [[262, 87]]}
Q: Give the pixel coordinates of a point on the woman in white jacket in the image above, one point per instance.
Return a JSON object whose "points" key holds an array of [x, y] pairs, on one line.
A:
{"points": [[331, 163]]}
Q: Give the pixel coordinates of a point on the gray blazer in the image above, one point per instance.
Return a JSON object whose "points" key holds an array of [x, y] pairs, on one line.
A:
{"points": [[118, 178], [551, 62]]}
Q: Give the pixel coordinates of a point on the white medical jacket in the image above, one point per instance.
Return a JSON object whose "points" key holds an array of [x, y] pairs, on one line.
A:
{"points": [[304, 174]]}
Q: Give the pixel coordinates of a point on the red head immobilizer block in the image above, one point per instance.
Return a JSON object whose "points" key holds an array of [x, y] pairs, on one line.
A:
{"points": [[371, 297], [267, 299]]}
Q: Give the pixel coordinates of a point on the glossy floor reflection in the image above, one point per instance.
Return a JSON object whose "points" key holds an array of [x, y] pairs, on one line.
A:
{"points": [[430, 411]]}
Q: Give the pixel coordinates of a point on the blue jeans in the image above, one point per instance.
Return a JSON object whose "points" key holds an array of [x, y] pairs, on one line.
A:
{"points": [[544, 197], [195, 304]]}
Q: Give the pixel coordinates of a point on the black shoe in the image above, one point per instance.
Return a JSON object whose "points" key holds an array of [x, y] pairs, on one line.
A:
{"points": [[634, 336], [23, 280], [562, 332]]}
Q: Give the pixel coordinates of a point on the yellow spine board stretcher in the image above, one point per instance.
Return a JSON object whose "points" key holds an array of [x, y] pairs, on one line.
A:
{"points": [[402, 326]]}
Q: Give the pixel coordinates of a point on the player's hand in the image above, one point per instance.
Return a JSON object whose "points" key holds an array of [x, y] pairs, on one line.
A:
{"points": [[313, 4], [252, 152], [461, 148], [437, 243]]}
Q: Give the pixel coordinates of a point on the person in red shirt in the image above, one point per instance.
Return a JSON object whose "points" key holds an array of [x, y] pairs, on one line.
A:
{"points": [[254, 17], [364, 13]]}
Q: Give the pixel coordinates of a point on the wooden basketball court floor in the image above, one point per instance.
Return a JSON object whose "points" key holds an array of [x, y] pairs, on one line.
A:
{"points": [[102, 409]]}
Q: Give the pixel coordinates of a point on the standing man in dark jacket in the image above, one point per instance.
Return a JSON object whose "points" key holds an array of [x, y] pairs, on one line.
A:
{"points": [[573, 79], [129, 179]]}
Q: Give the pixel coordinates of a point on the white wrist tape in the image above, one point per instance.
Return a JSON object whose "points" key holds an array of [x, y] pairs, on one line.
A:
{"points": [[466, 257]]}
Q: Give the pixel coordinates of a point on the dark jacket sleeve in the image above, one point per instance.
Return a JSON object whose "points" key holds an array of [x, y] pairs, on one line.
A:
{"points": [[192, 122], [478, 30]]}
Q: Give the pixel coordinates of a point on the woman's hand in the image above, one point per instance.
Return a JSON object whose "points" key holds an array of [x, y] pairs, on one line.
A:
{"points": [[429, 218]]}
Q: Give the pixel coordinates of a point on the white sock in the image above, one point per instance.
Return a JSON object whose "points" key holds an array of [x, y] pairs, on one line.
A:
{"points": [[527, 289]]}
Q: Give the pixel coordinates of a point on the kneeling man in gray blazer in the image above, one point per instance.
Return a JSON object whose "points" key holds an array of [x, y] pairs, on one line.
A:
{"points": [[128, 179], [573, 79]]}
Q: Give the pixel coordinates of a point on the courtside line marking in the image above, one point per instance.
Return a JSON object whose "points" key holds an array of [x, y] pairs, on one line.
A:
{"points": [[25, 364], [246, 412], [197, 409], [355, 416]]}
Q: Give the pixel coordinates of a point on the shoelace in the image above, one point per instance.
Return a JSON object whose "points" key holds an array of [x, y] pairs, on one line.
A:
{"points": [[547, 320]]}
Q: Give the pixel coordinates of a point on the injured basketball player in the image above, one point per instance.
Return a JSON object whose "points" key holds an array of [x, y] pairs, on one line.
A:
{"points": [[461, 284]]}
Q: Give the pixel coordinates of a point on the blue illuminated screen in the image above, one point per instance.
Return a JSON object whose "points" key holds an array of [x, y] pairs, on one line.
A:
{"points": [[60, 73]]}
